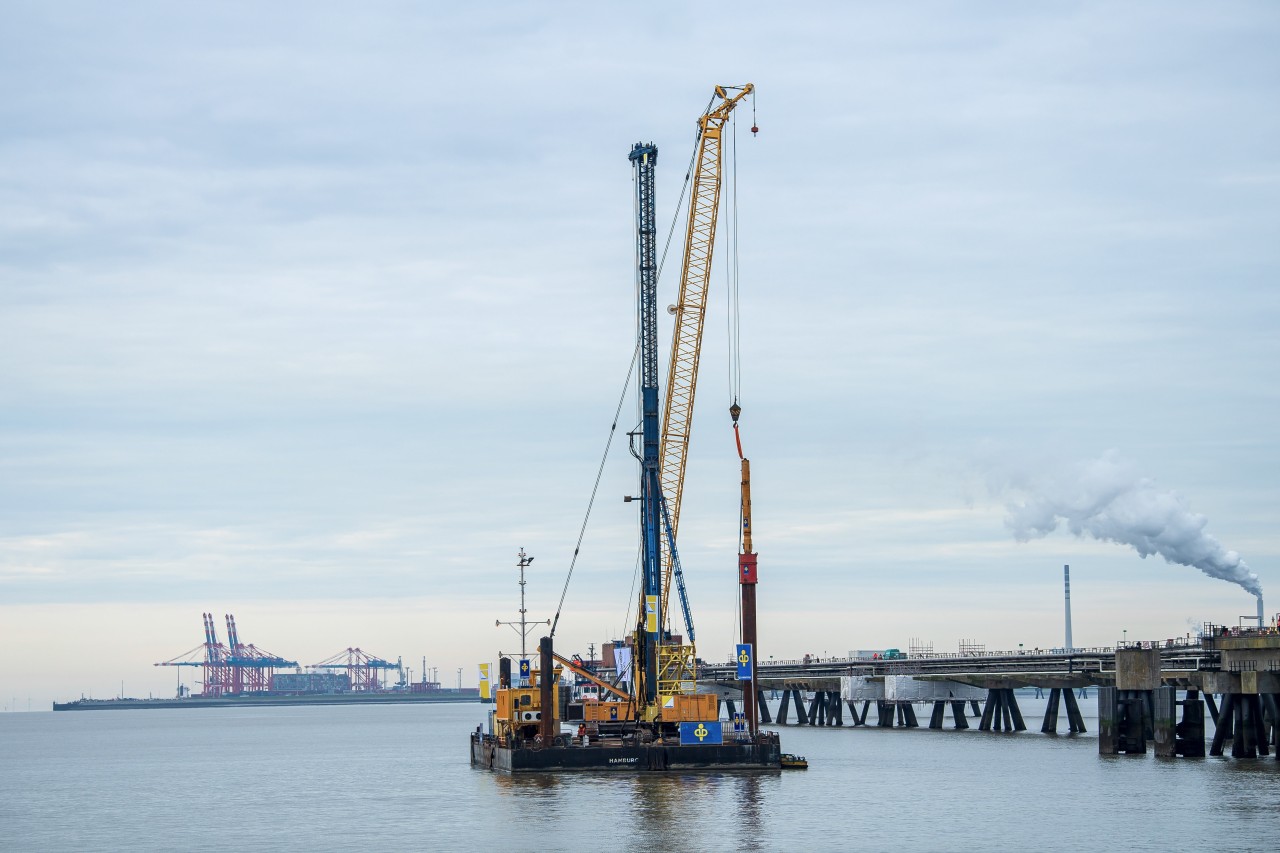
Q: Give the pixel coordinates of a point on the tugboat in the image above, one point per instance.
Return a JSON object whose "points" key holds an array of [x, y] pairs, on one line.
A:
{"points": [[654, 719]]}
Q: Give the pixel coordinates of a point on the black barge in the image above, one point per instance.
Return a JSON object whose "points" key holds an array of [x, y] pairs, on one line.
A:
{"points": [[620, 755]]}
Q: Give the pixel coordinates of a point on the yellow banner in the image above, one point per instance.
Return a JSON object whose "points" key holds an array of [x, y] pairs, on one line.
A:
{"points": [[651, 613], [484, 681]]}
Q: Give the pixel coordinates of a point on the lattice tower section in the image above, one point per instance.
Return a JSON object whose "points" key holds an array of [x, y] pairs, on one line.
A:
{"points": [[691, 312]]}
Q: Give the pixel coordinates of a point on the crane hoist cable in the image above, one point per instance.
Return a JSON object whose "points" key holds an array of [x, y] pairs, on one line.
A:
{"points": [[613, 429], [690, 310], [732, 315]]}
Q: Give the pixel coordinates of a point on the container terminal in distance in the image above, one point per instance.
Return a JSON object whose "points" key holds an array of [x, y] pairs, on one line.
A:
{"points": [[238, 674]]}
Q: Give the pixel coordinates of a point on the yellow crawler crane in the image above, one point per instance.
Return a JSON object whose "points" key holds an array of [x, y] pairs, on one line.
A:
{"points": [[691, 310]]}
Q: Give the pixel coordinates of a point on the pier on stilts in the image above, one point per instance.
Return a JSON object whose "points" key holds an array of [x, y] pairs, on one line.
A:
{"points": [[822, 702], [1143, 706], [1157, 697]]}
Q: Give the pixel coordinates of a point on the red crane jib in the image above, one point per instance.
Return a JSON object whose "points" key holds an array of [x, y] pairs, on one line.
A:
{"points": [[746, 568]]}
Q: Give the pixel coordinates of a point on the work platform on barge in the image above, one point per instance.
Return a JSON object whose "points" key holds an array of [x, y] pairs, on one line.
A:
{"points": [[620, 755]]}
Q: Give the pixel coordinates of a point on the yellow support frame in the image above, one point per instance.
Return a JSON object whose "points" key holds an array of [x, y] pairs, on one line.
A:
{"points": [[677, 669], [677, 676]]}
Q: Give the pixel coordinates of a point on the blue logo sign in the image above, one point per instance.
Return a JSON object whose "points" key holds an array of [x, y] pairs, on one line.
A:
{"points": [[743, 657], [739, 721], [696, 733], [524, 667]]}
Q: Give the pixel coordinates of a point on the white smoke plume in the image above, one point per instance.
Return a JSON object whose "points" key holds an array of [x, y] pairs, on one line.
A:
{"points": [[1106, 499]]}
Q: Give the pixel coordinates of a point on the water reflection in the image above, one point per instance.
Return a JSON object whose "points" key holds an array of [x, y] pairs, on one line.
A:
{"points": [[751, 810], [526, 783], [661, 808]]}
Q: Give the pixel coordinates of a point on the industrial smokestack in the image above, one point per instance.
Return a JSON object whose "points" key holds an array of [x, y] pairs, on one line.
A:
{"points": [[1262, 616], [1066, 584]]}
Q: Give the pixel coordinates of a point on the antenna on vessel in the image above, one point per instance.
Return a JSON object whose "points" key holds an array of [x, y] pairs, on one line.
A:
{"points": [[523, 625]]}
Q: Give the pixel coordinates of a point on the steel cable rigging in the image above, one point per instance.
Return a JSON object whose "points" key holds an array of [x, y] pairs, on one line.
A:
{"points": [[613, 427]]}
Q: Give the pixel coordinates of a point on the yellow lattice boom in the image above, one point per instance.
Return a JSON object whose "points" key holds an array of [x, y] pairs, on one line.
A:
{"points": [[691, 311]]}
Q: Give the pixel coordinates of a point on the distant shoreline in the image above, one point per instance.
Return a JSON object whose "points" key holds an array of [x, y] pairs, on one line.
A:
{"points": [[464, 694]]}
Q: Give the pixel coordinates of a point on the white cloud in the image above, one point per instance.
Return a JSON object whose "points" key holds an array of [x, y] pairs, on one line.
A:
{"points": [[299, 305]]}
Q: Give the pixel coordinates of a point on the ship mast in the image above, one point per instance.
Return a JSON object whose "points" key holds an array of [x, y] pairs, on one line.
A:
{"points": [[523, 627]]}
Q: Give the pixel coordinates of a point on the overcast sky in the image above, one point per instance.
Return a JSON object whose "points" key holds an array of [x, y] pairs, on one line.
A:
{"points": [[317, 315]]}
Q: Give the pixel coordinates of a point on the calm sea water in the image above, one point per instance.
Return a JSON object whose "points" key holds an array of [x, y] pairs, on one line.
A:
{"points": [[397, 778]]}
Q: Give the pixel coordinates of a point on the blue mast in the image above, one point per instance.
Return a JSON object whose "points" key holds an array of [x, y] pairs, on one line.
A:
{"points": [[644, 158]]}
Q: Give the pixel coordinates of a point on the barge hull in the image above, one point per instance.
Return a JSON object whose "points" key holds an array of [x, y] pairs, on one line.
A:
{"points": [[487, 753]]}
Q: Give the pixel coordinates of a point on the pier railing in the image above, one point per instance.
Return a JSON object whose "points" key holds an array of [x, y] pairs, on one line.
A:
{"points": [[1177, 654]]}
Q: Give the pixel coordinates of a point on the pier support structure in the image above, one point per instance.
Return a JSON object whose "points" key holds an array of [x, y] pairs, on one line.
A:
{"points": [[1075, 720], [764, 707], [796, 695], [895, 698], [938, 715], [1249, 685], [1246, 718], [1002, 706], [1139, 709], [1189, 731]]}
